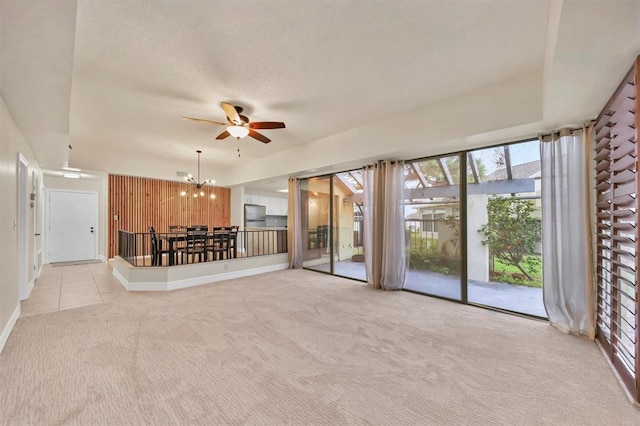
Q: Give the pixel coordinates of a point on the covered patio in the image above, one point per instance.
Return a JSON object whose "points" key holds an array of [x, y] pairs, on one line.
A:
{"points": [[516, 298]]}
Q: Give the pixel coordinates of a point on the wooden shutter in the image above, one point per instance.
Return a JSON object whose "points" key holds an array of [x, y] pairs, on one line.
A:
{"points": [[616, 167]]}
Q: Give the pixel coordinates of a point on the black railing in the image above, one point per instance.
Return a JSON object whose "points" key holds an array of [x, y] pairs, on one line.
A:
{"points": [[430, 234], [181, 248]]}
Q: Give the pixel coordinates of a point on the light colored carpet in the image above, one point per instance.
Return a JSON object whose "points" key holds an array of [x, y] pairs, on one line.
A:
{"points": [[298, 347]]}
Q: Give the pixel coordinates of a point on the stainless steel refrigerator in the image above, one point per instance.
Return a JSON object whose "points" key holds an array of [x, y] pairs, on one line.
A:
{"points": [[255, 216]]}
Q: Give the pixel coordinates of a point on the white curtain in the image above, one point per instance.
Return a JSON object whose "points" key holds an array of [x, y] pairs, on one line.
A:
{"points": [[566, 233], [383, 225], [294, 225]]}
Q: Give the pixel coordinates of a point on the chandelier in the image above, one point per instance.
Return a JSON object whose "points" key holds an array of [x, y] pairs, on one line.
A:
{"points": [[189, 178]]}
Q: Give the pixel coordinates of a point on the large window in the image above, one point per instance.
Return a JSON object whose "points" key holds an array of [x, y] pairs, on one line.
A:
{"points": [[498, 263], [504, 260], [472, 226]]}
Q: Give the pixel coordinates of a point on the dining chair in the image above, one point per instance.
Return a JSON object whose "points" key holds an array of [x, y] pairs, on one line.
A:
{"points": [[313, 238], [219, 246], [232, 243], [156, 248], [196, 244], [179, 246], [323, 231]]}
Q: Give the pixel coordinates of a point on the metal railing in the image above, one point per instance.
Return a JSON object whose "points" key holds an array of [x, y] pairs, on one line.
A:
{"points": [[429, 234], [171, 248]]}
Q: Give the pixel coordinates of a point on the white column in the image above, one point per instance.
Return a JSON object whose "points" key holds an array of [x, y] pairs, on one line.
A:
{"points": [[237, 206], [477, 253]]}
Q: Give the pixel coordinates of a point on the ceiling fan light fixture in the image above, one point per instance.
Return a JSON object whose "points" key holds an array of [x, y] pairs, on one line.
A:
{"points": [[238, 131]]}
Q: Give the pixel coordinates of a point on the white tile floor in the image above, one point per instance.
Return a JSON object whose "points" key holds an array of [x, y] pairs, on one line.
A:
{"points": [[66, 287]]}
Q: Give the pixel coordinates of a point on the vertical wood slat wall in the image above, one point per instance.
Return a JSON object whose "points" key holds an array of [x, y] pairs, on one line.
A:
{"points": [[140, 203], [616, 157]]}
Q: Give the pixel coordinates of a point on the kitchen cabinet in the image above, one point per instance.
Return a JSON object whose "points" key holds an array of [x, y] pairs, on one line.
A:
{"points": [[275, 206]]}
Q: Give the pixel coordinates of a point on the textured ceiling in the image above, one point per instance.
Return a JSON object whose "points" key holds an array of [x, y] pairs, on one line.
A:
{"points": [[353, 81]]}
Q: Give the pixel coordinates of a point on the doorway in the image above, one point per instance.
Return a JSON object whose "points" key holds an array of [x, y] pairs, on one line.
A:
{"points": [[72, 218], [23, 271]]}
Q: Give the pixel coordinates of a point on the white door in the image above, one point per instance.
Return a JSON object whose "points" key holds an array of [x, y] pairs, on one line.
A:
{"points": [[73, 225]]}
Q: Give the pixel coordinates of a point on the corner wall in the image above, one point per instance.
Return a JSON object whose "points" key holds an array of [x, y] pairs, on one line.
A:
{"points": [[12, 142]]}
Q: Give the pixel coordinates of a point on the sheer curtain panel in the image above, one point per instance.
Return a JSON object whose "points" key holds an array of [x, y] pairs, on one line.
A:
{"points": [[566, 233], [294, 225], [383, 223]]}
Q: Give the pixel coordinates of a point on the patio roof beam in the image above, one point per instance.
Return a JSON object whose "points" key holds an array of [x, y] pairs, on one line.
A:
{"points": [[445, 171], [474, 167], [421, 177], [355, 177], [346, 183], [513, 186]]}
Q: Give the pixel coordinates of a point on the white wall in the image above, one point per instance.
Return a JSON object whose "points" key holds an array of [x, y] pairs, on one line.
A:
{"points": [[12, 142], [512, 108], [97, 184]]}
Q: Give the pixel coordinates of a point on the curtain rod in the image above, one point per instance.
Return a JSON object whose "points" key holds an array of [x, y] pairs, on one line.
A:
{"points": [[587, 124]]}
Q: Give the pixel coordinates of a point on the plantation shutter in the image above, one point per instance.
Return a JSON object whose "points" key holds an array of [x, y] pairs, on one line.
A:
{"points": [[617, 233]]}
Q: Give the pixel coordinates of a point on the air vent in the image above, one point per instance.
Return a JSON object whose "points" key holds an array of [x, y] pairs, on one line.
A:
{"points": [[182, 174]]}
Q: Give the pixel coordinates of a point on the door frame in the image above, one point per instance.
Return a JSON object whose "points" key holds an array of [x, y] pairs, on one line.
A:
{"points": [[22, 178], [36, 206], [48, 192]]}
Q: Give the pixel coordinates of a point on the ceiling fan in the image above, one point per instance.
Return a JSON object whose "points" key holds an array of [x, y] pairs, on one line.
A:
{"points": [[239, 126]]}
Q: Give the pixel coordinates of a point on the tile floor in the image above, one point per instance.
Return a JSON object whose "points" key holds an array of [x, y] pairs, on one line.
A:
{"points": [[66, 287]]}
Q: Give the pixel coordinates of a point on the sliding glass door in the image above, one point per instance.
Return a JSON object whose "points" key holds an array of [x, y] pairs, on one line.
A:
{"points": [[432, 227], [316, 200], [504, 228], [332, 223], [472, 227]]}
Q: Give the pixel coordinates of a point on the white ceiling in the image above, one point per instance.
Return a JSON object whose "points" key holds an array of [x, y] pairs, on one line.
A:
{"points": [[353, 81]]}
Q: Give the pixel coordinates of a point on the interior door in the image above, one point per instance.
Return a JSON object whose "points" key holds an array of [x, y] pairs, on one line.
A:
{"points": [[73, 224]]}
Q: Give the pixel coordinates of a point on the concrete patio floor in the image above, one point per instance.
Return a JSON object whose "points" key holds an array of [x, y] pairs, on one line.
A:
{"points": [[527, 300]]}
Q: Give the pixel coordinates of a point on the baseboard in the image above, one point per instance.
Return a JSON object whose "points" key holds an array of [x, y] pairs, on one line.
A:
{"points": [[176, 285], [9, 327], [192, 282], [101, 258], [120, 278], [32, 283]]}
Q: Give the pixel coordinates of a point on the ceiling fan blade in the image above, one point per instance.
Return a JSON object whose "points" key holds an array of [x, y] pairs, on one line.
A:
{"points": [[231, 112], [267, 125], [223, 135], [258, 136], [200, 120]]}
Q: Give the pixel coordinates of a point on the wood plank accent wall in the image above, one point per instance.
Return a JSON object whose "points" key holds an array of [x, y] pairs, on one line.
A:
{"points": [[617, 243], [141, 202]]}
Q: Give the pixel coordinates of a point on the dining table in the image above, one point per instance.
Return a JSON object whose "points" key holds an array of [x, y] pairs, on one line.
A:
{"points": [[210, 239]]}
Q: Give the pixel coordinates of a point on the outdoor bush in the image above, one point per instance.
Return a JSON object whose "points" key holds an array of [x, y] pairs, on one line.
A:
{"points": [[512, 232], [430, 259]]}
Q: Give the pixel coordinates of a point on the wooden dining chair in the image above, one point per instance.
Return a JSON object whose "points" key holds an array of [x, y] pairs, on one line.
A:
{"points": [[232, 243], [156, 248], [196, 244], [219, 246]]}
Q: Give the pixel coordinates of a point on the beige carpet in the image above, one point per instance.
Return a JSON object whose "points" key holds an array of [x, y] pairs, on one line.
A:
{"points": [[298, 347]]}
